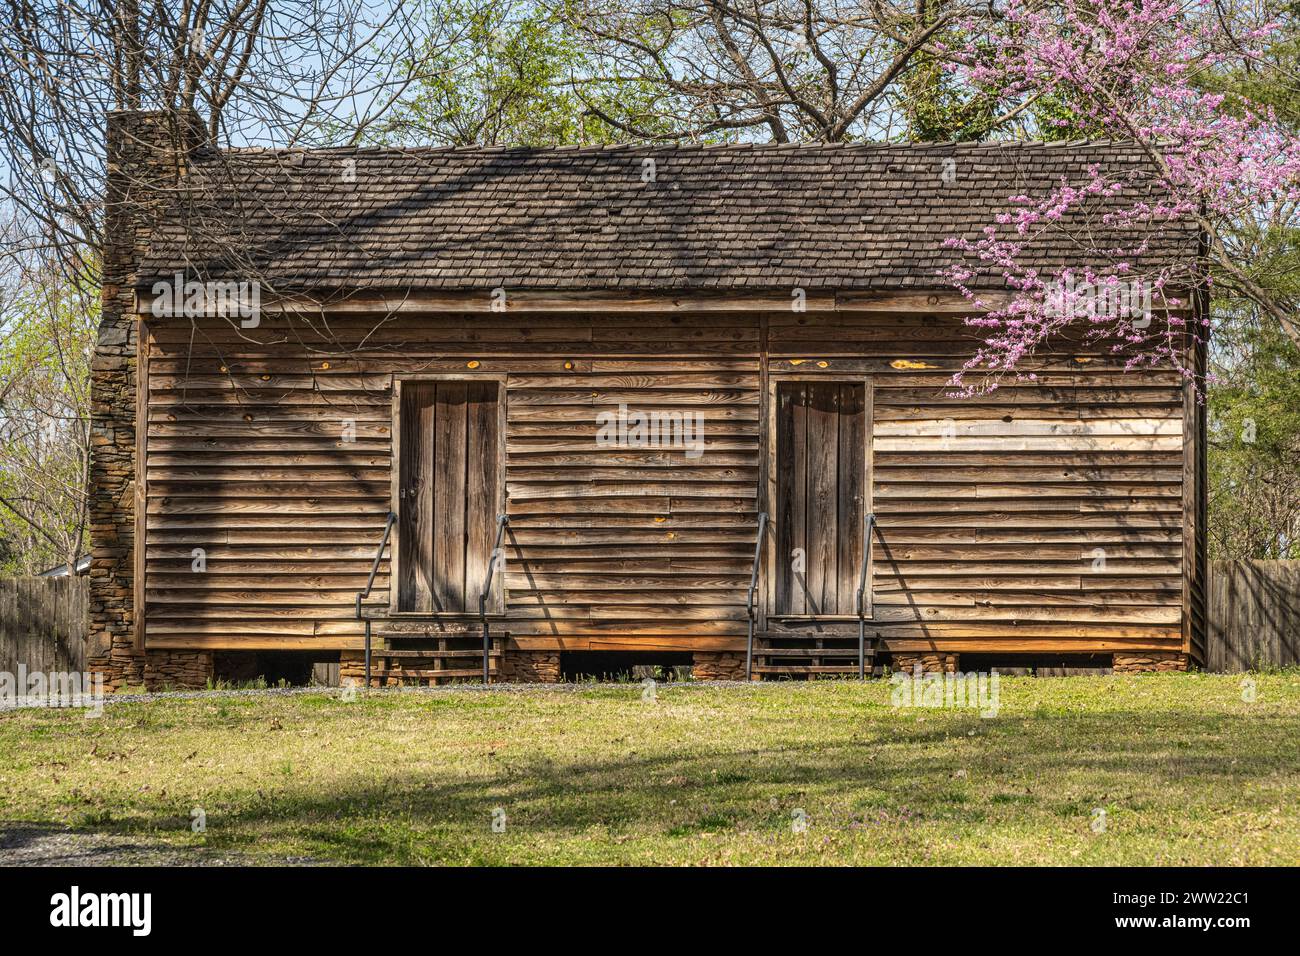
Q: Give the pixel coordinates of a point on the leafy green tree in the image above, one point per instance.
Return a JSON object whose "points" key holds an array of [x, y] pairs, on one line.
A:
{"points": [[1254, 458], [935, 107], [47, 336], [507, 78], [1254, 399]]}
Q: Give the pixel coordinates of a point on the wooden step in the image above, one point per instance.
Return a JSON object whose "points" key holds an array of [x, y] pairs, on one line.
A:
{"points": [[433, 673], [796, 669], [811, 636], [813, 618], [433, 652], [868, 652], [405, 629], [812, 647], [804, 627]]}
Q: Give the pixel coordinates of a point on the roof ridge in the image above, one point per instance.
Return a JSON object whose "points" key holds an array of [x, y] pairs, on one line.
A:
{"points": [[605, 148]]}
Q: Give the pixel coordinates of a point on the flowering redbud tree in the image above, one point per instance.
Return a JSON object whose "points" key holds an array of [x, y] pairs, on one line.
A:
{"points": [[1142, 73]]}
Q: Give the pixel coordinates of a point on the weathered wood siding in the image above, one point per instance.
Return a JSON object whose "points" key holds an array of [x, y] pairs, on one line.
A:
{"points": [[821, 433], [1043, 516], [447, 491]]}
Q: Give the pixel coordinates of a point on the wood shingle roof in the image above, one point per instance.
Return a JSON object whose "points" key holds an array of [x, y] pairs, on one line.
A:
{"points": [[821, 217]]}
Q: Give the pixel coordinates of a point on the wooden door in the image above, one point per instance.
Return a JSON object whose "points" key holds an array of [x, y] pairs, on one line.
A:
{"points": [[448, 493], [821, 433]]}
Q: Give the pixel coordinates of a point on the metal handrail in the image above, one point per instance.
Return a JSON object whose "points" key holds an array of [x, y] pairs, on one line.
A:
{"points": [[749, 596], [370, 584], [502, 521], [868, 523]]}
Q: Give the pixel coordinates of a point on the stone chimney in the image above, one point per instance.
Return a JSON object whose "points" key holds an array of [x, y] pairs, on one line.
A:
{"points": [[147, 155]]}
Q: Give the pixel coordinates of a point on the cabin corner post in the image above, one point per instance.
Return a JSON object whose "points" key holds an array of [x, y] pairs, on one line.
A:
{"points": [[1195, 485], [146, 153], [1200, 631]]}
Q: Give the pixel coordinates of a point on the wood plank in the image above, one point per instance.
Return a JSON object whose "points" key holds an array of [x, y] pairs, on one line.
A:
{"points": [[792, 467], [821, 522], [604, 303], [1049, 443], [449, 496], [415, 584], [850, 492], [483, 442]]}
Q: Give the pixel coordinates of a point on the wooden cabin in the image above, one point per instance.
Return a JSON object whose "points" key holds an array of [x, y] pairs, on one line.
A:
{"points": [[448, 413]]}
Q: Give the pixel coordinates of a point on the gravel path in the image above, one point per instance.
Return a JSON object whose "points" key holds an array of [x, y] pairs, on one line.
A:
{"points": [[33, 844]]}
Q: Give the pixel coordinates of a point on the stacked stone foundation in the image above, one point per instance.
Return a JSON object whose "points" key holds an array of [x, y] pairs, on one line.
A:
{"points": [[930, 663], [178, 670], [1150, 662], [516, 667], [720, 665], [530, 667], [131, 670]]}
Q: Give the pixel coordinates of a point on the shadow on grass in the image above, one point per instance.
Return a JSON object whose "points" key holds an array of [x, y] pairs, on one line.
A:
{"points": [[959, 773]]}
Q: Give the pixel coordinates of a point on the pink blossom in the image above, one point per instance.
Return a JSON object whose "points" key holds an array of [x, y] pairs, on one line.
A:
{"points": [[1130, 69]]}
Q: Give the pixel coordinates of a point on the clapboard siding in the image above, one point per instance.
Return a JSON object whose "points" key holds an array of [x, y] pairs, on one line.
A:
{"points": [[271, 450], [290, 515], [1044, 515]]}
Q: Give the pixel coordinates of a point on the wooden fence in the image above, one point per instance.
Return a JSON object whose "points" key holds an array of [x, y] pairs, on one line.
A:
{"points": [[1254, 615], [43, 624]]}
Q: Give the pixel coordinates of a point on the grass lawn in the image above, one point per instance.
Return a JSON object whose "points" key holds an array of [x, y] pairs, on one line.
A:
{"points": [[1186, 770]]}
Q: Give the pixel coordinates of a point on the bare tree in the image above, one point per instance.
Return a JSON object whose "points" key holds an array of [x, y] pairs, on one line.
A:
{"points": [[257, 73], [784, 70], [254, 72]]}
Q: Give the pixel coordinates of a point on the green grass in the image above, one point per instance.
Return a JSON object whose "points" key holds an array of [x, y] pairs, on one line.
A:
{"points": [[1187, 771]]}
